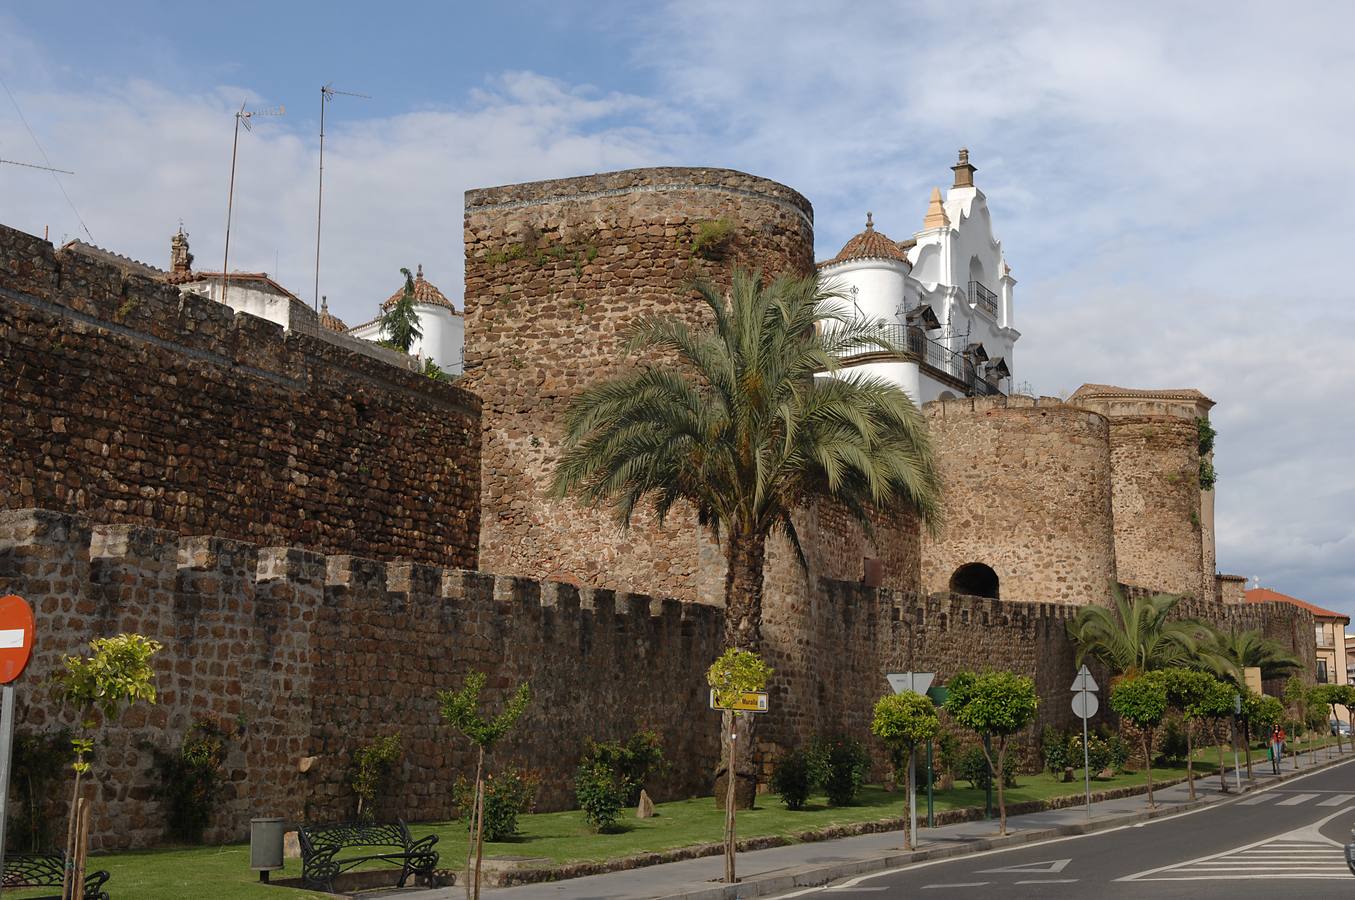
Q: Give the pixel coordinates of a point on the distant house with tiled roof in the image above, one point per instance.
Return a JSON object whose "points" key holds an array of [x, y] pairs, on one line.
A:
{"points": [[1332, 665], [442, 326], [943, 298]]}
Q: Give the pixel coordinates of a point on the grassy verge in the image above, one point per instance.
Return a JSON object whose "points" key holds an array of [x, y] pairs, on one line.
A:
{"points": [[222, 873]]}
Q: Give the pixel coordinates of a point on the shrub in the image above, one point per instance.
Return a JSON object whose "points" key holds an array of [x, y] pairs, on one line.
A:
{"points": [[1172, 745], [190, 779], [1118, 752], [1054, 750], [947, 752], [635, 762], [599, 793], [507, 796], [712, 238], [972, 766], [1099, 754], [371, 763], [797, 774], [846, 764]]}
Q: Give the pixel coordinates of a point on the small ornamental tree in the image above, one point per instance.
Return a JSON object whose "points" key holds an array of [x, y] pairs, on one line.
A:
{"points": [[1142, 700], [116, 675], [1196, 696], [997, 705], [735, 673], [372, 763], [1215, 705], [461, 710], [1329, 695], [903, 721], [1262, 713]]}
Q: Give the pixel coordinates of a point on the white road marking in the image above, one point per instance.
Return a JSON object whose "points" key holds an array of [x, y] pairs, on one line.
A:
{"points": [[857, 890], [928, 887], [884, 873], [1301, 853], [1259, 798], [1296, 800], [1052, 867], [1049, 881], [1338, 800]]}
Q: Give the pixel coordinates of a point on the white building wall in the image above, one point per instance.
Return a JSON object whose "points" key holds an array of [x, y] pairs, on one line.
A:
{"points": [[444, 336]]}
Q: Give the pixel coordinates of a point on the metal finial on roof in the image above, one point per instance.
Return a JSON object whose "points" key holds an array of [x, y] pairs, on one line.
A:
{"points": [[870, 225], [419, 274]]}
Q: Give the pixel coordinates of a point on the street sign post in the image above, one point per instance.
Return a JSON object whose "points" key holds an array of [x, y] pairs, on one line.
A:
{"points": [[914, 683], [1085, 706], [749, 701], [16, 646]]}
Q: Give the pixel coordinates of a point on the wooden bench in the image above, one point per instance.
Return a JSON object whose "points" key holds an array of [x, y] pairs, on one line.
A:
{"points": [[321, 846], [39, 870]]}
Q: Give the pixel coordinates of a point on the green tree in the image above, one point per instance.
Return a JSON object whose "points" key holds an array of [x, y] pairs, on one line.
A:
{"points": [[1196, 695], [1296, 696], [903, 721], [400, 323], [1142, 700], [996, 705], [115, 676], [371, 763], [461, 710], [1260, 713], [734, 673], [738, 427], [1229, 654], [1214, 705], [1135, 635]]}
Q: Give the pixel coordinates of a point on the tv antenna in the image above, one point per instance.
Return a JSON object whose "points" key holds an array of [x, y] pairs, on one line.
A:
{"points": [[327, 93], [242, 117], [15, 162]]}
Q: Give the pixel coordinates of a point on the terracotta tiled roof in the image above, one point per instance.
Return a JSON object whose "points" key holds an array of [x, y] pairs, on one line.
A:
{"points": [[869, 244], [125, 263], [1110, 390], [1266, 595], [425, 292], [329, 320]]}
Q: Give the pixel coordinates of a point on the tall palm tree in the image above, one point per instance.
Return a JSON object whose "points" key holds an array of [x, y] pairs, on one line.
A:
{"points": [[1229, 654], [742, 430], [1135, 636]]}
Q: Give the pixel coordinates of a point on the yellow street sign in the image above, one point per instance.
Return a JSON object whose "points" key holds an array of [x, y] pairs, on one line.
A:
{"points": [[752, 701]]}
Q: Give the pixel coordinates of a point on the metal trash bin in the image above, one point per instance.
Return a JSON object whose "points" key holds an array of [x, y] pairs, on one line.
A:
{"points": [[265, 845]]}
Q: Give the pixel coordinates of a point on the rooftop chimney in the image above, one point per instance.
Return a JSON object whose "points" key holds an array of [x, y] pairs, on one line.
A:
{"points": [[964, 172]]}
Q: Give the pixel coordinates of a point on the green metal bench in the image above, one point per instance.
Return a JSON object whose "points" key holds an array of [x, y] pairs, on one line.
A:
{"points": [[321, 846], [39, 870]]}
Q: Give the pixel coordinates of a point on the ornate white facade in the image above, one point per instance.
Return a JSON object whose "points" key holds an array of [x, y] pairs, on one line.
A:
{"points": [[943, 297]]}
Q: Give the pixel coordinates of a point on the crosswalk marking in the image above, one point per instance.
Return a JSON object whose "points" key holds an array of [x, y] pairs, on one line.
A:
{"points": [[1338, 800], [1252, 801], [1297, 799]]}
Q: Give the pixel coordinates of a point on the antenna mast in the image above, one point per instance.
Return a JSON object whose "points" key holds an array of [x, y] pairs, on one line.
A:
{"points": [[327, 93], [242, 117]]}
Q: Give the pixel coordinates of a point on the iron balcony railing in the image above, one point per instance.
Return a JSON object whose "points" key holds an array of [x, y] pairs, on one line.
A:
{"points": [[984, 298], [932, 354]]}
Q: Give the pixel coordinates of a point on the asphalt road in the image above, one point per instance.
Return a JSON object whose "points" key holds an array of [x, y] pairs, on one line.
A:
{"points": [[1284, 842]]}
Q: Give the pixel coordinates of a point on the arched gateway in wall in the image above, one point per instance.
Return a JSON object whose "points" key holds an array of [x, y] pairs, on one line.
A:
{"points": [[975, 579]]}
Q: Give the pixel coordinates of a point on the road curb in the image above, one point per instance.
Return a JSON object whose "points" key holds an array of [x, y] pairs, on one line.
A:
{"points": [[817, 876]]}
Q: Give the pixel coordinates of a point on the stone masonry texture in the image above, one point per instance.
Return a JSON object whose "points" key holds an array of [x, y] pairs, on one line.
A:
{"points": [[1027, 493], [125, 402], [556, 273]]}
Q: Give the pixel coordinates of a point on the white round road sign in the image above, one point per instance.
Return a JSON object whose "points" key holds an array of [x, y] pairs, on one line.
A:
{"points": [[1085, 704]]}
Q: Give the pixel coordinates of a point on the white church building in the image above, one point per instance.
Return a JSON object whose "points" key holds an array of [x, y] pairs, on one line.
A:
{"points": [[942, 298]]}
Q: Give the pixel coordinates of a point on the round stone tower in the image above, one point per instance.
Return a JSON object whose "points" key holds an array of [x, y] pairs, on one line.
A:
{"points": [[1027, 501], [556, 272]]}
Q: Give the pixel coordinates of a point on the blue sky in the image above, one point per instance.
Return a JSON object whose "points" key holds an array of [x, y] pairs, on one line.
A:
{"points": [[1173, 186]]}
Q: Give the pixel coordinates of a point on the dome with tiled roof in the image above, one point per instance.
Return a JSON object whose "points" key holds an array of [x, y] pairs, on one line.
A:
{"points": [[425, 293], [328, 319], [869, 244]]}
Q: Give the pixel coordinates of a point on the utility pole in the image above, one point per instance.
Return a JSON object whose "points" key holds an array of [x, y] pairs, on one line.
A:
{"points": [[327, 93]]}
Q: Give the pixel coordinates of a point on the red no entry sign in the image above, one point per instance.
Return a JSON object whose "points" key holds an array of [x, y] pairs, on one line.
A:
{"points": [[16, 637]]}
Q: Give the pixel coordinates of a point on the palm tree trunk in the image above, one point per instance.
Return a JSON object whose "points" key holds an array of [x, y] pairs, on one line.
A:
{"points": [[745, 557]]}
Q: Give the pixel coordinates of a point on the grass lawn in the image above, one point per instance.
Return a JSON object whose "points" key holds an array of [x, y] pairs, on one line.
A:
{"points": [[222, 873]]}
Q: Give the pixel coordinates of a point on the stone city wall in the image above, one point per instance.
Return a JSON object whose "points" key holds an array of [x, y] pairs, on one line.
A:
{"points": [[127, 402], [301, 655], [556, 271], [1027, 492]]}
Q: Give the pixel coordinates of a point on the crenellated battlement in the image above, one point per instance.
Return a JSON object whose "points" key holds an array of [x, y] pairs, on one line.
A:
{"points": [[307, 655]]}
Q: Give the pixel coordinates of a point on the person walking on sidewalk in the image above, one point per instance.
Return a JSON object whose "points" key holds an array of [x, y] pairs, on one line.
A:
{"points": [[1277, 738]]}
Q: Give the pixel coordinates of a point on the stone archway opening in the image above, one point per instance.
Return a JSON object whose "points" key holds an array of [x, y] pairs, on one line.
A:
{"points": [[975, 579]]}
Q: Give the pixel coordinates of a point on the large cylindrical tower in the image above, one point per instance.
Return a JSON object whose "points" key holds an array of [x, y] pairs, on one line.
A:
{"points": [[1027, 501], [556, 272]]}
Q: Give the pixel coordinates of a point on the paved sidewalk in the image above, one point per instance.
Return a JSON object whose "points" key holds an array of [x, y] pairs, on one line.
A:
{"points": [[781, 869]]}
